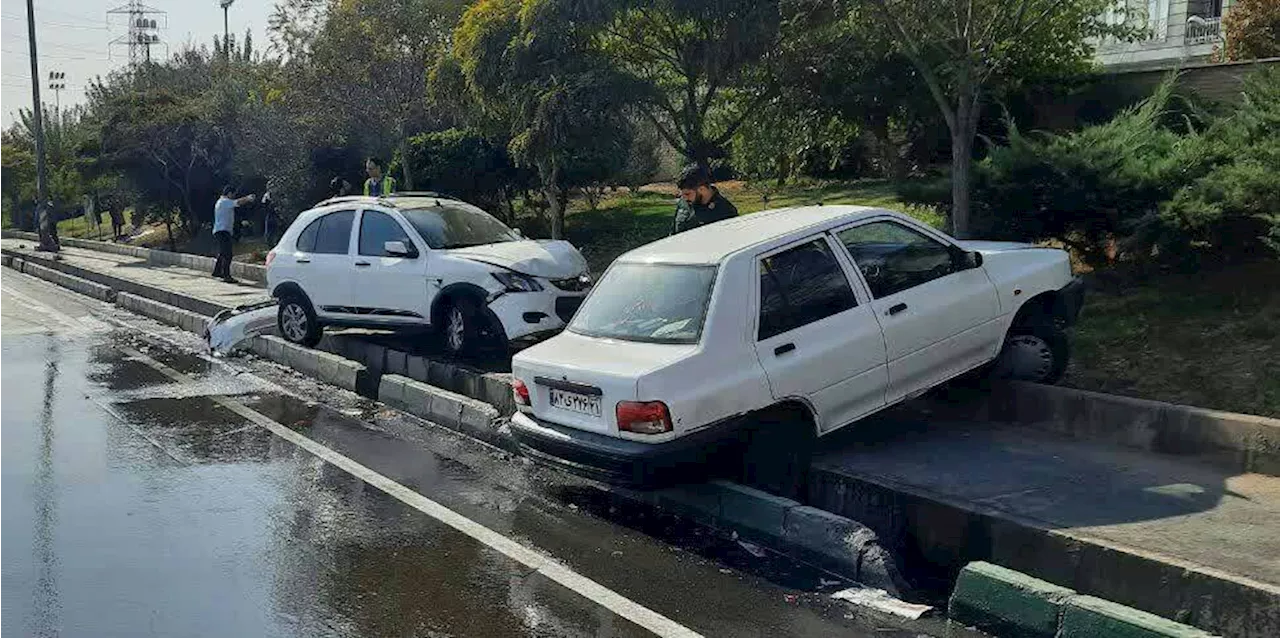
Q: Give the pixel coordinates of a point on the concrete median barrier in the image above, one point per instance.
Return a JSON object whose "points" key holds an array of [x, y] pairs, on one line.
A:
{"points": [[450, 409], [1007, 603], [1089, 617], [77, 284], [1011, 604]]}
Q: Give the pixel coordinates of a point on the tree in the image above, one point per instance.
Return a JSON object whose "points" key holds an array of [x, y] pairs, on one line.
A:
{"points": [[699, 67], [1253, 30], [563, 106], [363, 64], [960, 48]]}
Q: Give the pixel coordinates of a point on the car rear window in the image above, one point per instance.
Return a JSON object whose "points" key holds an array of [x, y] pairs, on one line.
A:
{"points": [[656, 303]]}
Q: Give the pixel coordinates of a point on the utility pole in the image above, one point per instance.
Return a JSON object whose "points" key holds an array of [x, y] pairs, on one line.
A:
{"points": [[37, 111]]}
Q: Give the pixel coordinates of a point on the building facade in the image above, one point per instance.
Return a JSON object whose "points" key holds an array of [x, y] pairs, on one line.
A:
{"points": [[1176, 33]]}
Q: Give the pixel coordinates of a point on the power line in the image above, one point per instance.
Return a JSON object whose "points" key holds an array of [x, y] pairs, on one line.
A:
{"points": [[46, 56], [63, 25]]}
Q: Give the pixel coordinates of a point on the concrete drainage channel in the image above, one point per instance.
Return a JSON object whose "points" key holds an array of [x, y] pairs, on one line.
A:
{"points": [[833, 542], [475, 402]]}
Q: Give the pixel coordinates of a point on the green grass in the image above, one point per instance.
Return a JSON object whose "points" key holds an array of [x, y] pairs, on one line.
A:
{"points": [[79, 227], [1207, 339], [627, 221]]}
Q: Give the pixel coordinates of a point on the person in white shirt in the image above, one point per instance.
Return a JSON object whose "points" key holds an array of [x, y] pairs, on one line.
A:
{"points": [[224, 218]]}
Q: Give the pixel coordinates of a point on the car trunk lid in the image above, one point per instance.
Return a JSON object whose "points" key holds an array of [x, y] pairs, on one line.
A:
{"points": [[577, 381]]}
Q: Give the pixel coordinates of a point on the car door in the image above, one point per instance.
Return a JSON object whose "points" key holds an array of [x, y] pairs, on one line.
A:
{"points": [[387, 287], [815, 338], [939, 315], [322, 263]]}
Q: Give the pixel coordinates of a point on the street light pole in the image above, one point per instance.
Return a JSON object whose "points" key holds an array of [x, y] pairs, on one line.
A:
{"points": [[57, 82], [37, 111], [226, 32]]}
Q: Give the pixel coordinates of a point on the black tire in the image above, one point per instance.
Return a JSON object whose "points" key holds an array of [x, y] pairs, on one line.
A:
{"points": [[461, 327], [297, 322], [777, 452], [1035, 351]]}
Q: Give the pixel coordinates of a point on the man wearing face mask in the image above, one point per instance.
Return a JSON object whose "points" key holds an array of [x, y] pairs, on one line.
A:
{"points": [[700, 202]]}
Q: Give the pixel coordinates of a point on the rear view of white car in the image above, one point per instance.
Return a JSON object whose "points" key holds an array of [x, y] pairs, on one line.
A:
{"points": [[784, 325], [414, 260]]}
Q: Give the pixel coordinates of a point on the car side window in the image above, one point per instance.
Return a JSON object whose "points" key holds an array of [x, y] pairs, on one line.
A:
{"points": [[376, 229], [799, 286], [335, 233], [307, 238], [893, 257]]}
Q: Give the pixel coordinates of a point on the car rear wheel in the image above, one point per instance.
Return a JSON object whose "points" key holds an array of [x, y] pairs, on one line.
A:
{"points": [[297, 322], [777, 451], [1036, 352]]}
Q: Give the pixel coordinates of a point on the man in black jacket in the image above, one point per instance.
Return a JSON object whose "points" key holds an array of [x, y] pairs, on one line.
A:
{"points": [[700, 201]]}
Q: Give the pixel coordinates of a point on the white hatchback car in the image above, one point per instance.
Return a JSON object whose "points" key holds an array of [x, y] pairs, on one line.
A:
{"points": [[825, 314], [413, 260]]}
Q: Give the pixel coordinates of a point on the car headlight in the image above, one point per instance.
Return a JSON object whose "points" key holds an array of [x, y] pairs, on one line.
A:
{"points": [[516, 282]]}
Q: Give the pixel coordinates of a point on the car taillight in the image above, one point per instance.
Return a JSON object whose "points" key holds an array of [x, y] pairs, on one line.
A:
{"points": [[644, 417], [271, 255], [520, 391]]}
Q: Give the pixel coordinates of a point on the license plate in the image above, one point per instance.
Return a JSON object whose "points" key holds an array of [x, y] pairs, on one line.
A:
{"points": [[574, 402]]}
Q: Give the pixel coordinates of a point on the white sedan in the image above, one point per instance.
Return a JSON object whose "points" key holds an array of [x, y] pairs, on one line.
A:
{"points": [[804, 319]]}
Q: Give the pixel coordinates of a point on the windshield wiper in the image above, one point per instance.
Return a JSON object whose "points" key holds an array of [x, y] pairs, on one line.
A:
{"points": [[474, 244]]}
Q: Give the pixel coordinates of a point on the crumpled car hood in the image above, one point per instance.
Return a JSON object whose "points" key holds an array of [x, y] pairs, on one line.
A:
{"points": [[552, 258]]}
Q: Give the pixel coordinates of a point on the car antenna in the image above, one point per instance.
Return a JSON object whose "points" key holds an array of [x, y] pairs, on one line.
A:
{"points": [[438, 204]]}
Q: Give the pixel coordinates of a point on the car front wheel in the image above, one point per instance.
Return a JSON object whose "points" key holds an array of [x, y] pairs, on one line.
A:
{"points": [[297, 321], [1036, 352]]}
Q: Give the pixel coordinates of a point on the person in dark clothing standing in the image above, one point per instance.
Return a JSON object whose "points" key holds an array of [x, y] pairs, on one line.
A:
{"points": [[224, 219], [700, 201]]}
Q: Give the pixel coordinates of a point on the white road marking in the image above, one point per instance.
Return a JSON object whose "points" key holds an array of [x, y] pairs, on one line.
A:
{"points": [[545, 565]]}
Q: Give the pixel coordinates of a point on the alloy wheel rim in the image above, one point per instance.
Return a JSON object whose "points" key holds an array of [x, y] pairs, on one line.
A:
{"points": [[295, 322], [456, 329]]}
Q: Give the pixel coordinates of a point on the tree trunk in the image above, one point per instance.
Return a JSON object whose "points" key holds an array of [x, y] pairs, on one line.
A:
{"points": [[963, 130], [405, 164]]}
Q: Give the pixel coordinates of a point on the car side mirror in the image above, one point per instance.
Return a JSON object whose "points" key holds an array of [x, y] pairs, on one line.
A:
{"points": [[398, 249], [519, 233], [964, 259]]}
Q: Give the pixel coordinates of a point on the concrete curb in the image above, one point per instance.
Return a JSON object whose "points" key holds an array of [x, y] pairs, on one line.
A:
{"points": [[1087, 617], [493, 388], [837, 543], [1009, 603], [185, 319], [251, 272], [325, 366], [464, 414], [77, 284]]}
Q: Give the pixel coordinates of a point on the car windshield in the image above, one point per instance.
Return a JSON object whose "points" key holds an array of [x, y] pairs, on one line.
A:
{"points": [[647, 302], [455, 225]]}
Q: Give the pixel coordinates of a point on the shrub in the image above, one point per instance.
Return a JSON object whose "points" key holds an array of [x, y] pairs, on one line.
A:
{"points": [[1253, 30], [1235, 206], [1088, 188], [464, 164]]}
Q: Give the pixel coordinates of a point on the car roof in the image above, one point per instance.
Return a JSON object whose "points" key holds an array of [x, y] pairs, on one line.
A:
{"points": [[411, 199], [712, 243]]}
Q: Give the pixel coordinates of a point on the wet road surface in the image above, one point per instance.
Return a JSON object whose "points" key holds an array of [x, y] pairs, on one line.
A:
{"points": [[150, 492]]}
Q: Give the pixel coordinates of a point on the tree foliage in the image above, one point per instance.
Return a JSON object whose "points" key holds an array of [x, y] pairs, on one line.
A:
{"points": [[1253, 30], [960, 49]]}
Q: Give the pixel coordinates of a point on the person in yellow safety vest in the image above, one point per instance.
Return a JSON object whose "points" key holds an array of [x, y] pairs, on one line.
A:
{"points": [[378, 184]]}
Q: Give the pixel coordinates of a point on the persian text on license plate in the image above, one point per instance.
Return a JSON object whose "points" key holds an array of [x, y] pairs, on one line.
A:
{"points": [[574, 402]]}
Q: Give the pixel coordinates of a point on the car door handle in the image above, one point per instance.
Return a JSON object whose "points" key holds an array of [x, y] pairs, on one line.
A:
{"points": [[783, 349], [896, 308], [362, 263], [302, 260]]}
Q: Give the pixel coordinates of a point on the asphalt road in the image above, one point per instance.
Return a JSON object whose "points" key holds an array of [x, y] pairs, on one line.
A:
{"points": [[149, 491]]}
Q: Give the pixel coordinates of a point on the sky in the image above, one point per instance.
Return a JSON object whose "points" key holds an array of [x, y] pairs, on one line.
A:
{"points": [[72, 36]]}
